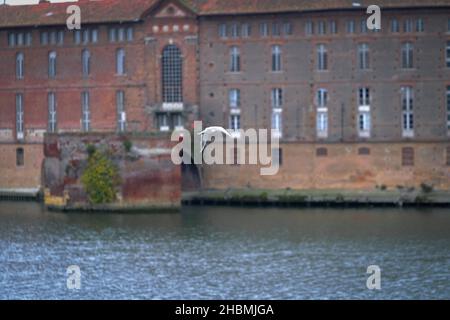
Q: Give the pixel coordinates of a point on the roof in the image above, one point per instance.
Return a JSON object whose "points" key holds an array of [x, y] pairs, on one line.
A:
{"points": [[101, 11]]}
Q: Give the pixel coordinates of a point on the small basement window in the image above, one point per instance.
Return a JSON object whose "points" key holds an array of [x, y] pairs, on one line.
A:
{"points": [[321, 152], [20, 157], [364, 151], [408, 157]]}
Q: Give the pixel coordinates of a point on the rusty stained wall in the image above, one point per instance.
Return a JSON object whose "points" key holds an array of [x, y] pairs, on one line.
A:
{"points": [[148, 176]]}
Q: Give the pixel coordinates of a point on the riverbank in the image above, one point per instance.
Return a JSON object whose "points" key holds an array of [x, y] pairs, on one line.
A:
{"points": [[288, 197]]}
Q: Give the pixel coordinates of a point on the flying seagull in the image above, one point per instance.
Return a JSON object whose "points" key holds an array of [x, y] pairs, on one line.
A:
{"points": [[212, 130]]}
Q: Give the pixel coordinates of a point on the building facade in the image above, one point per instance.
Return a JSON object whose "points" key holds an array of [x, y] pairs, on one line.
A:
{"points": [[354, 108]]}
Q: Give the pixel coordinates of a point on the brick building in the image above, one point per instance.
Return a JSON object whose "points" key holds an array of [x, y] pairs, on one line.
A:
{"points": [[354, 108]]}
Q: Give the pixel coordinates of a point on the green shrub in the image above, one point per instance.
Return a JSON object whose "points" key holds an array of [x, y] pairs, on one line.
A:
{"points": [[100, 179], [91, 149], [127, 144]]}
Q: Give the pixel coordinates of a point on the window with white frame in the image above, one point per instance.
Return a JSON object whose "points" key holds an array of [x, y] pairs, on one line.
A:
{"points": [[235, 59], [264, 29], [322, 113], [309, 28], [19, 65], [321, 27], [333, 27], [246, 30], [448, 107], [85, 112], [234, 102], [172, 74], [234, 30], [407, 55], [363, 56], [407, 96], [19, 117], [395, 26], [52, 64], [52, 118], [351, 26], [322, 57], [363, 26], [234, 98], [177, 121], [287, 29], [276, 29], [120, 61], [364, 118], [121, 115], [408, 25], [277, 111], [222, 30], [420, 25], [163, 122], [276, 58], [447, 54], [86, 62]]}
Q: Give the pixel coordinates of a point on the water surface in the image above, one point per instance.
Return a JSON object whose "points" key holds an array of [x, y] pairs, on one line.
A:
{"points": [[225, 253]]}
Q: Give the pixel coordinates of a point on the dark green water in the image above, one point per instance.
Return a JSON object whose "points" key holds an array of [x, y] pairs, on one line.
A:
{"points": [[225, 253]]}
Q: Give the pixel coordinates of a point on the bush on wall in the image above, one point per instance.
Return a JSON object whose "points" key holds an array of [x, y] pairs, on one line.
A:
{"points": [[100, 179]]}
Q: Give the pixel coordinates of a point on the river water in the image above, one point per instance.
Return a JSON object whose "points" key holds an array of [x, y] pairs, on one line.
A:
{"points": [[225, 253]]}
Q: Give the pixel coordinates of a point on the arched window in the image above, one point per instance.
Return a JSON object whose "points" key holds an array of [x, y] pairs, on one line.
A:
{"points": [[19, 65], [235, 59], [172, 74], [52, 64], [86, 62]]}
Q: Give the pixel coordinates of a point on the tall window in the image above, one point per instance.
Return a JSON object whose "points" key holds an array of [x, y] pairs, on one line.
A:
{"points": [[322, 113], [222, 30], [20, 157], [235, 59], [234, 102], [52, 64], [395, 27], [52, 119], [19, 116], [333, 27], [363, 56], [234, 30], [77, 36], [172, 74], [276, 29], [364, 121], [448, 108], [309, 28], [321, 27], [264, 29], [86, 62], [19, 65], [276, 58], [234, 98], [288, 29], [322, 57], [85, 112], [121, 115], [407, 55], [120, 61], [420, 26], [447, 54], [246, 30], [277, 105], [351, 26], [408, 25], [363, 25], [407, 95]]}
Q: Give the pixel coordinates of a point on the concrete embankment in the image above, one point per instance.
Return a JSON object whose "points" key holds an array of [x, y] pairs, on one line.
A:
{"points": [[253, 197]]}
